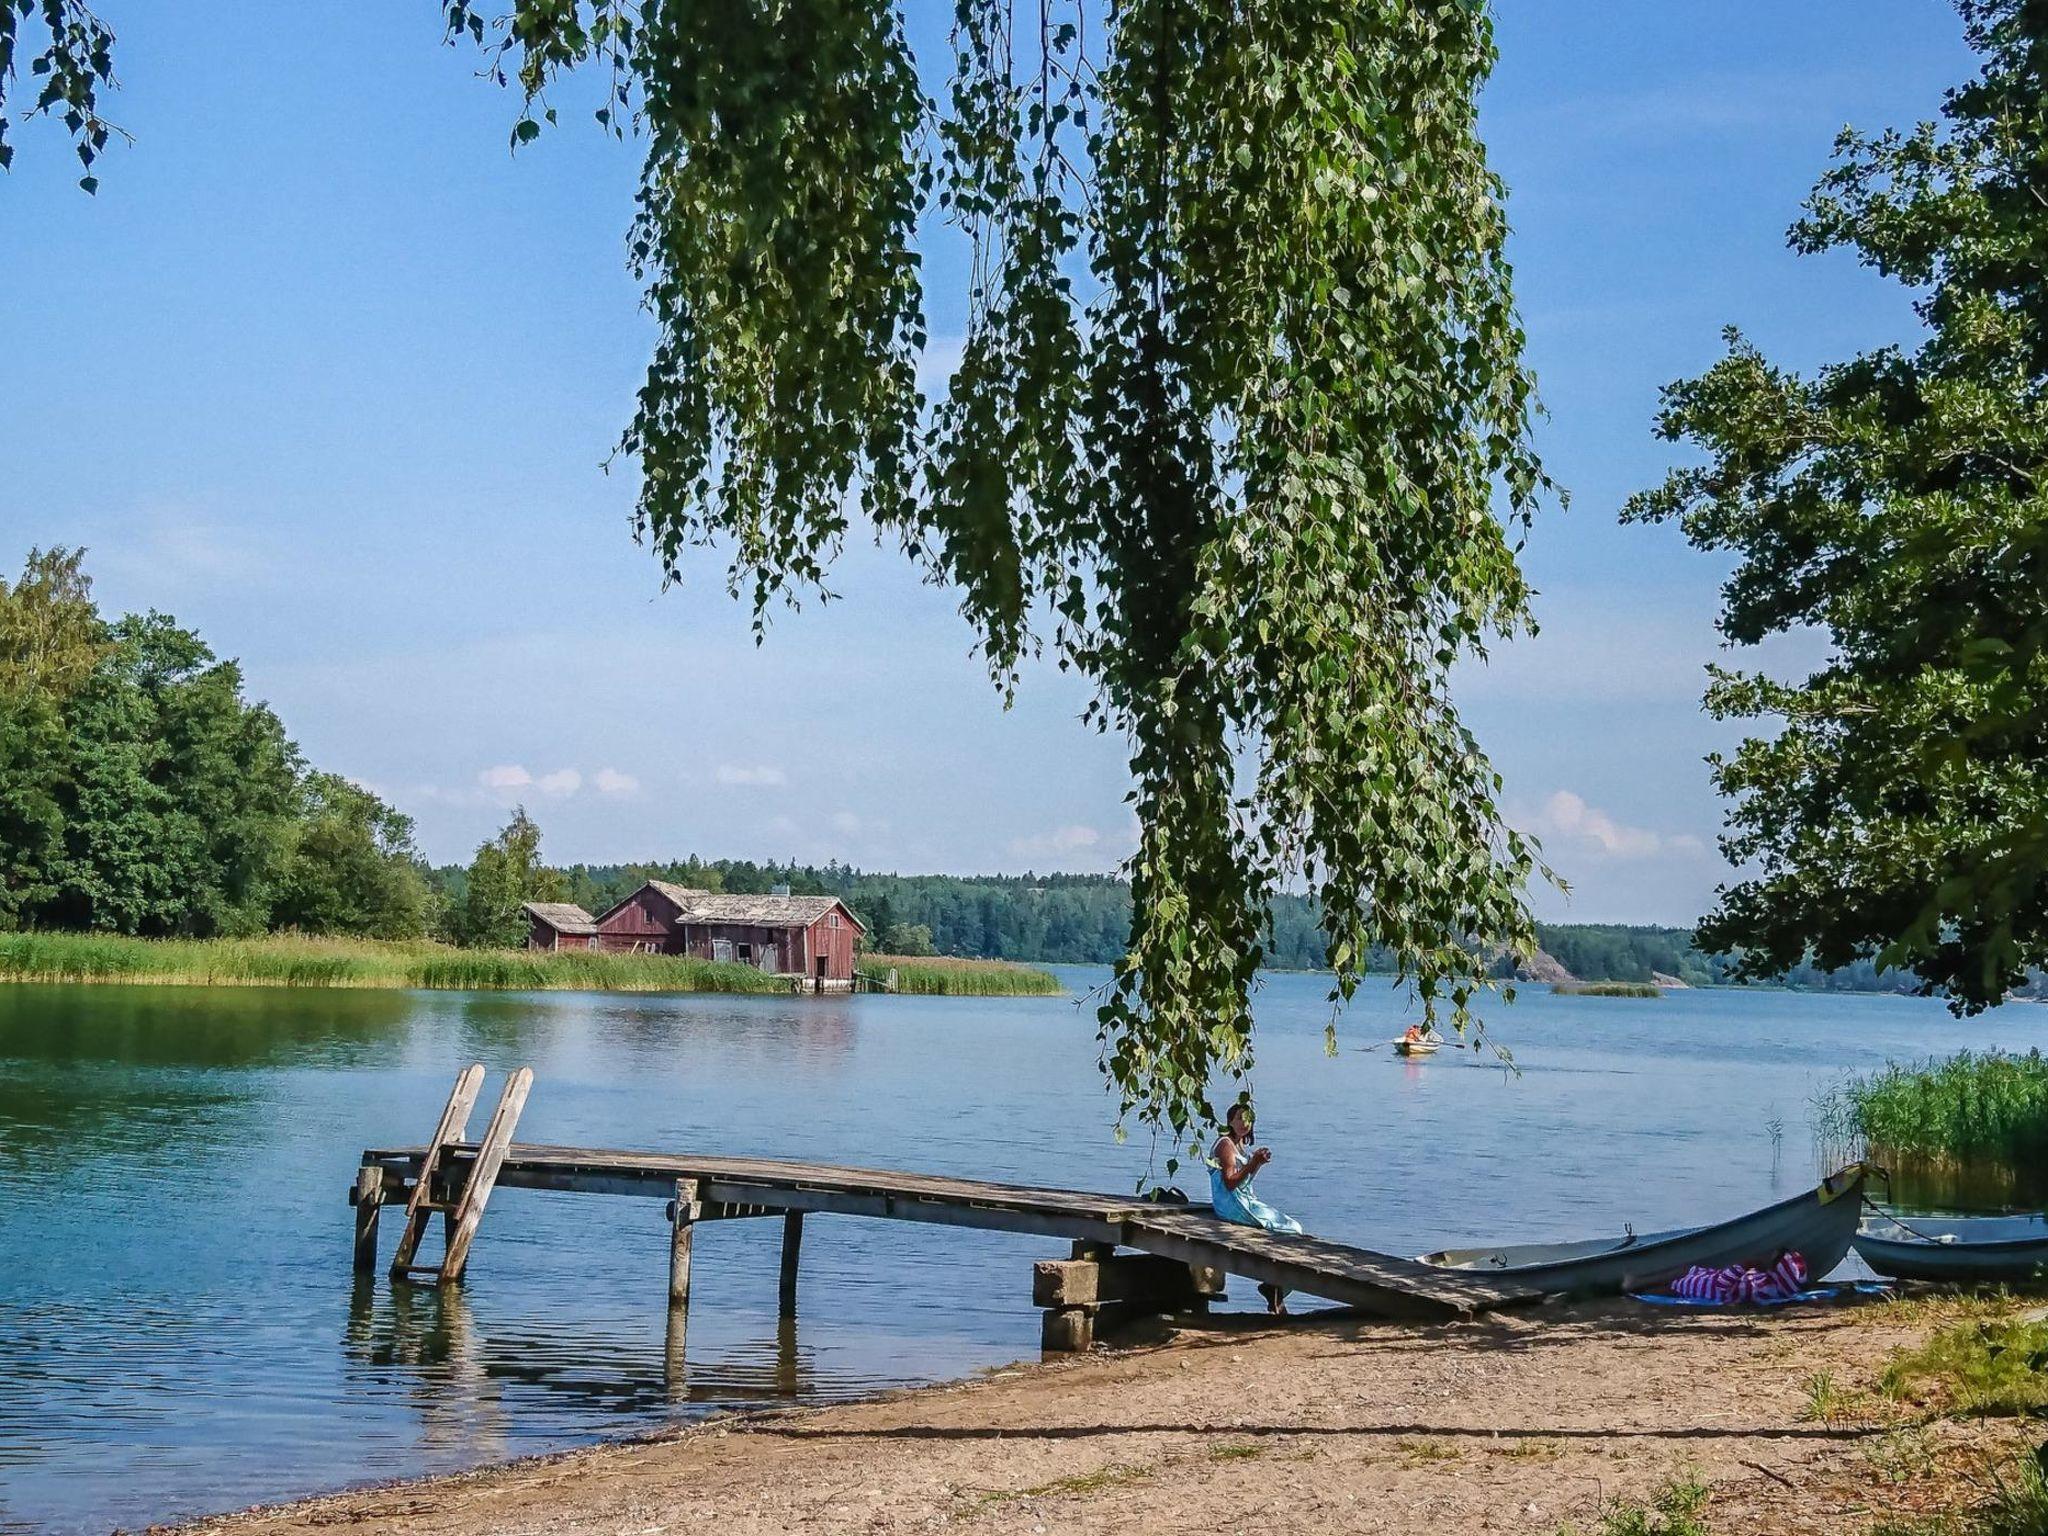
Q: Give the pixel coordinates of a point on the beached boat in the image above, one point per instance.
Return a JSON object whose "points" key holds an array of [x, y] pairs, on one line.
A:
{"points": [[1417, 1047], [1819, 1225], [1985, 1249]]}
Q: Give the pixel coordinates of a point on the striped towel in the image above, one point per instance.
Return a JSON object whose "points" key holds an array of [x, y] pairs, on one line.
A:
{"points": [[1739, 1284]]}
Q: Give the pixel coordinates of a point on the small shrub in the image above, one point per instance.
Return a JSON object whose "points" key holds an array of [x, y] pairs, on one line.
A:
{"points": [[1678, 1509]]}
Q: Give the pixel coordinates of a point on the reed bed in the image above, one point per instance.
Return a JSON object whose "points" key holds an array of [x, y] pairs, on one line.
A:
{"points": [[946, 976], [1970, 1107], [295, 960], [1606, 989]]}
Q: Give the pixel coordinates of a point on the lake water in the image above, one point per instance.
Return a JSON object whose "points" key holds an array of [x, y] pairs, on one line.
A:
{"points": [[180, 1331]]}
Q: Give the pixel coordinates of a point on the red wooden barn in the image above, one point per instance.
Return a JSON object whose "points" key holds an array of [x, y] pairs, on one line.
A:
{"points": [[811, 937]]}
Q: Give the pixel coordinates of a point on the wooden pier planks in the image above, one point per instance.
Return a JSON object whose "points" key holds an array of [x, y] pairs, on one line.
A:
{"points": [[1374, 1282]]}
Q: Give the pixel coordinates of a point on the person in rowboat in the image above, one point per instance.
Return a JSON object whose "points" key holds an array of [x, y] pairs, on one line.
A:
{"points": [[1232, 1162]]}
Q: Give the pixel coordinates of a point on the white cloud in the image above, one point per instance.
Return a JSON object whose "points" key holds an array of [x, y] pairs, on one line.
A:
{"points": [[846, 821], [733, 773], [1566, 817], [609, 781], [505, 776], [563, 781], [783, 826]]}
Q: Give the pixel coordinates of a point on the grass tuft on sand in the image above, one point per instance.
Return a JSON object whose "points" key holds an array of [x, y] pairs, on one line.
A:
{"points": [[1677, 1509], [2015, 1504], [1988, 1369]]}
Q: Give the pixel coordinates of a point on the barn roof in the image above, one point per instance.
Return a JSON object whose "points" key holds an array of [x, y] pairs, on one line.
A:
{"points": [[562, 916], [681, 895], [755, 911]]}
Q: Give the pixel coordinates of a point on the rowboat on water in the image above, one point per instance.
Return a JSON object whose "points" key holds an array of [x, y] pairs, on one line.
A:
{"points": [[1417, 1047], [1986, 1249], [1819, 1225]]}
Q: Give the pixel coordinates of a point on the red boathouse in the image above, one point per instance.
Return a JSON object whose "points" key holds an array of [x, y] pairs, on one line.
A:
{"points": [[811, 937]]}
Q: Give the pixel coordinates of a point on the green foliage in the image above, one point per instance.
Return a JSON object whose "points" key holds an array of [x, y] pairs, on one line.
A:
{"points": [[958, 978], [1242, 477], [1677, 1509], [505, 872], [74, 63], [1897, 502], [1615, 952], [177, 795], [1607, 989], [1979, 1368], [293, 960], [2015, 1504], [353, 867], [51, 635], [1970, 1106], [142, 793]]}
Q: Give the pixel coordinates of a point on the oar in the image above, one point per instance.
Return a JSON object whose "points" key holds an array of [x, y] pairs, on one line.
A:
{"points": [[1456, 1045]]}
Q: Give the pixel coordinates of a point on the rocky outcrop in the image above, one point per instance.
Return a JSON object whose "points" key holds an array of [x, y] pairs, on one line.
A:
{"points": [[1668, 981], [1545, 967]]}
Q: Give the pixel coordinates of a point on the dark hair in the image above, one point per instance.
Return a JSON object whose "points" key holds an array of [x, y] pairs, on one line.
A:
{"points": [[1238, 1109]]}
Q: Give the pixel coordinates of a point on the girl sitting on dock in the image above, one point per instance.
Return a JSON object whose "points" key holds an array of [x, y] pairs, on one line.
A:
{"points": [[1232, 1163]]}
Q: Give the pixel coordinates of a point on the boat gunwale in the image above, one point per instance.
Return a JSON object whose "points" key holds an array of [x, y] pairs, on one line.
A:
{"points": [[1844, 1184]]}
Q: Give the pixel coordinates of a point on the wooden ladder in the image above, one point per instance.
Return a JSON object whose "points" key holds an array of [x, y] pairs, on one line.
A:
{"points": [[460, 1219]]}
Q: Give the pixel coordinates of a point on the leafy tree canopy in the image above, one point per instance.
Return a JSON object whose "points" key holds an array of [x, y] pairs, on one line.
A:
{"points": [[1899, 503], [353, 866], [1241, 379], [506, 871], [1241, 382], [141, 792]]}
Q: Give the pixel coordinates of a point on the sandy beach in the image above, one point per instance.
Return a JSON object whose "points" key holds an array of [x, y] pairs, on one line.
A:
{"points": [[1517, 1423]]}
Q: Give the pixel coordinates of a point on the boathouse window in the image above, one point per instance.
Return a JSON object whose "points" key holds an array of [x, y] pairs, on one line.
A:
{"points": [[832, 921], [746, 954]]}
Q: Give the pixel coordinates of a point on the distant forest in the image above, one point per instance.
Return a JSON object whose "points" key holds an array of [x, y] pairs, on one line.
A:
{"points": [[1083, 920], [142, 792]]}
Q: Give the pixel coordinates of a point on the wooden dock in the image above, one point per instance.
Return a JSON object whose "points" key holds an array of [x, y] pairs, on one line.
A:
{"points": [[459, 1175]]}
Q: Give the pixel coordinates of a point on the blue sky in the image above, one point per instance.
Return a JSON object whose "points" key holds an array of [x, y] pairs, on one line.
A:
{"points": [[329, 374]]}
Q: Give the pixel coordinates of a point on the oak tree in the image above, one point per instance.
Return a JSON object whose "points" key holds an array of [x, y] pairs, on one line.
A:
{"points": [[1896, 502]]}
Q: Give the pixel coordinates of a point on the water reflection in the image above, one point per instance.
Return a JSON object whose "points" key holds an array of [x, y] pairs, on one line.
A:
{"points": [[1988, 1187], [423, 1340], [180, 1330]]}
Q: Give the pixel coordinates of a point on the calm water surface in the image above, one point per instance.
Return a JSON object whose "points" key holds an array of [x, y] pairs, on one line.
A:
{"points": [[180, 1332]]}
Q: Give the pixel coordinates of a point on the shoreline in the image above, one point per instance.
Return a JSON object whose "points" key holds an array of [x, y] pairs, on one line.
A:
{"points": [[307, 963], [1527, 1422]]}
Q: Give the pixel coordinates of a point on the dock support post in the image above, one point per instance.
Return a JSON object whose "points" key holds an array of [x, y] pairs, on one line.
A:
{"points": [[792, 1246], [684, 1214], [369, 1201]]}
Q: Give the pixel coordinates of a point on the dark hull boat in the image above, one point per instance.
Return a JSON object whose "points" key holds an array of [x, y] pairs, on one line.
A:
{"points": [[1819, 1225], [1966, 1249]]}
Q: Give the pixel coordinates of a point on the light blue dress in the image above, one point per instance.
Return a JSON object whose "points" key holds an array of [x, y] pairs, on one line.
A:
{"points": [[1242, 1204]]}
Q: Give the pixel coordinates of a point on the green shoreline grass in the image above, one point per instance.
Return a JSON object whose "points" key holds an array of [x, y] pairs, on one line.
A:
{"points": [[1606, 989], [1971, 1107], [945, 976], [295, 960]]}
